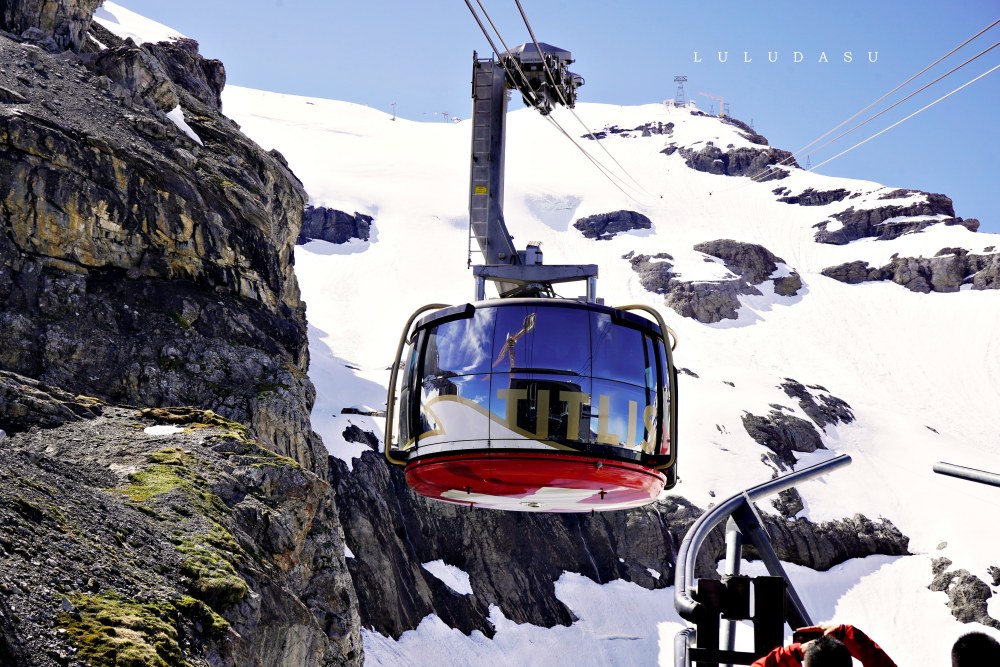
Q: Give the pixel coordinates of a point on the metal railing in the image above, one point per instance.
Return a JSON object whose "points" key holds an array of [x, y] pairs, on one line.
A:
{"points": [[744, 523], [969, 474]]}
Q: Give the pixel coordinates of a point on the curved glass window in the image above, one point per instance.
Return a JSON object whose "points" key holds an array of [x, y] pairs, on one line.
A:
{"points": [[539, 339], [528, 374]]}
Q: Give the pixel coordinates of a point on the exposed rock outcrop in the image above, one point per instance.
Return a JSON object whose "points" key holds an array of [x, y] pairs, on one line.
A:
{"points": [[881, 223], [148, 260], [949, 271], [139, 266], [829, 543], [604, 226], [186, 541], [203, 78], [818, 404], [25, 403], [743, 161], [65, 22], [716, 300], [645, 130], [967, 593], [748, 133], [513, 559], [327, 224], [703, 301], [811, 197], [783, 434], [753, 263]]}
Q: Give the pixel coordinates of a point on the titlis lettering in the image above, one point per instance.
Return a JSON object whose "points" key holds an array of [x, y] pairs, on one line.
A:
{"points": [[574, 401], [796, 57]]}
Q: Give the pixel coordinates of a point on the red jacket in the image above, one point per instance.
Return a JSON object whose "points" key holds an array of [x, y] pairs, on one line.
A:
{"points": [[858, 644]]}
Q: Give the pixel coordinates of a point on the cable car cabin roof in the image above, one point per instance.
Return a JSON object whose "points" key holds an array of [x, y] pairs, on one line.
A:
{"points": [[466, 310], [527, 53]]}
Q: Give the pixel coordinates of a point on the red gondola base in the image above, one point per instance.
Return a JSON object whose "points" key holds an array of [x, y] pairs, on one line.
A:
{"points": [[532, 481]]}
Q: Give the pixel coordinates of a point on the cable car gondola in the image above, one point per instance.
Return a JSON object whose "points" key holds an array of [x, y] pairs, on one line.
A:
{"points": [[531, 402], [535, 404]]}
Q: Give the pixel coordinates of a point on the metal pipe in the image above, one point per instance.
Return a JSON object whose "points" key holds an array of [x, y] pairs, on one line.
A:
{"points": [[969, 474], [753, 530], [681, 642], [687, 554], [734, 553]]}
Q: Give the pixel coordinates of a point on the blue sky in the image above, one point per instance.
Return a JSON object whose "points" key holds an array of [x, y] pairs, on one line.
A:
{"points": [[418, 55]]}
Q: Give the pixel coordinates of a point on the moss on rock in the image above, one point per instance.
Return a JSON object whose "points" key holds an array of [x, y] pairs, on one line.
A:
{"points": [[110, 630]]}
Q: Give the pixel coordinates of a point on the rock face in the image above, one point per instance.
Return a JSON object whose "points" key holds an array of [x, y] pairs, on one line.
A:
{"points": [[811, 197], [645, 130], [335, 226], [751, 262], [118, 227], [703, 301], [148, 261], [739, 161], [65, 22], [878, 223], [185, 541], [967, 593], [748, 133], [827, 544], [604, 226], [714, 301], [202, 77], [783, 434], [949, 271], [818, 404], [513, 559]]}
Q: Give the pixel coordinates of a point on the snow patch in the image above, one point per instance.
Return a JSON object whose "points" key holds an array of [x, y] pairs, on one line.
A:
{"points": [[162, 429], [453, 577], [177, 116], [128, 25]]}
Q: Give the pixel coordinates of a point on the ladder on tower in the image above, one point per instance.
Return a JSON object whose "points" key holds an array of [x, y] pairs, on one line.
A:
{"points": [[489, 108]]}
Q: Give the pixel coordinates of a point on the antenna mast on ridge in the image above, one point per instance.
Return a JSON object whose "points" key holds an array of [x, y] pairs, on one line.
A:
{"points": [[679, 96]]}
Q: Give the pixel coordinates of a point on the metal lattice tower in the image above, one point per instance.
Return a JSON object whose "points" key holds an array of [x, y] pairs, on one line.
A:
{"points": [[679, 97]]}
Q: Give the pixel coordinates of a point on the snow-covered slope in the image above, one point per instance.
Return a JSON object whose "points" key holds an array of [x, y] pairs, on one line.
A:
{"points": [[920, 371]]}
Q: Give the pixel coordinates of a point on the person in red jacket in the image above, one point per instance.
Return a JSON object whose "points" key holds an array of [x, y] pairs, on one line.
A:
{"points": [[834, 648]]}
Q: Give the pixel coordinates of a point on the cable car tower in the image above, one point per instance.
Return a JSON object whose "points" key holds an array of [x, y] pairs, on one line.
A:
{"points": [[529, 401]]}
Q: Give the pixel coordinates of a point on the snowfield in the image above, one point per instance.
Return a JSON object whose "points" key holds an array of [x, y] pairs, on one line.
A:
{"points": [[920, 371]]}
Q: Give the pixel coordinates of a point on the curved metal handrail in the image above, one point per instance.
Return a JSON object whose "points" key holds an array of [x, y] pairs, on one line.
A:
{"points": [[687, 554], [969, 474]]}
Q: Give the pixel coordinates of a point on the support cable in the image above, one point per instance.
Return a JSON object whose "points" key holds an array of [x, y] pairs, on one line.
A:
{"points": [[601, 167], [608, 174], [552, 80], [889, 108], [517, 65], [482, 27], [869, 106], [996, 67]]}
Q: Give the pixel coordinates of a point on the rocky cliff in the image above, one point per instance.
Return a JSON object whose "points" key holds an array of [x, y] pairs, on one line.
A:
{"points": [[146, 259], [163, 537], [514, 559]]}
